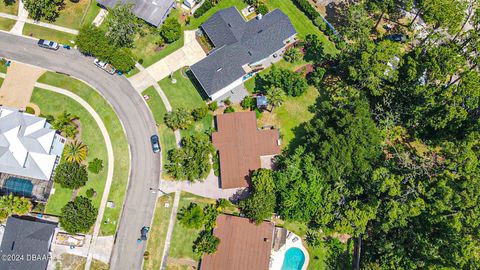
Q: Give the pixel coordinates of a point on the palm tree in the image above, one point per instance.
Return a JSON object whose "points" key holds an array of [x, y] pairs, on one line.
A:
{"points": [[76, 152], [275, 96]]}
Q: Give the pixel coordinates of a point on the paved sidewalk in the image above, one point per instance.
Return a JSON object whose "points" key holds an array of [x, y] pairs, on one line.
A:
{"points": [[189, 54], [171, 224], [92, 245], [100, 17], [23, 18]]}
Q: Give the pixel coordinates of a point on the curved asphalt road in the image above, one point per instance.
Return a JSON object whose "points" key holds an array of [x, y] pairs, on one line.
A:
{"points": [[139, 126]]}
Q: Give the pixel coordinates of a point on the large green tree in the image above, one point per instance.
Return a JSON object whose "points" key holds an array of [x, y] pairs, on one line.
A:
{"points": [[171, 30], [291, 82], [122, 25], [78, 215], [260, 203], [71, 175], [192, 160], [13, 205], [43, 9]]}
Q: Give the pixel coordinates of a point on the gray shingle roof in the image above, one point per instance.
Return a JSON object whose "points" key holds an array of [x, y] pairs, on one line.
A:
{"points": [[237, 43], [152, 11], [26, 238]]}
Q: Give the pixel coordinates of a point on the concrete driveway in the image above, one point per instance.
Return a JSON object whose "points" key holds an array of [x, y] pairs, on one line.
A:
{"points": [[189, 54], [17, 88]]}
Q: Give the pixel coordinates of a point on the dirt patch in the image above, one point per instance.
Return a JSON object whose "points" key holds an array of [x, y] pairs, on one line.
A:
{"points": [[71, 262], [18, 85], [78, 124]]}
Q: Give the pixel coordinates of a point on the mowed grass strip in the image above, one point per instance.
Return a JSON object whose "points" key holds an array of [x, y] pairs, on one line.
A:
{"points": [[6, 24], [181, 246], [158, 232], [167, 137], [40, 32], [117, 136], [52, 103], [92, 12]]}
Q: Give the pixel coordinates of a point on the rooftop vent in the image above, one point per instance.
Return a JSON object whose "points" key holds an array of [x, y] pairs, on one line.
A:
{"points": [[219, 69], [260, 31], [259, 16], [250, 53], [229, 25]]}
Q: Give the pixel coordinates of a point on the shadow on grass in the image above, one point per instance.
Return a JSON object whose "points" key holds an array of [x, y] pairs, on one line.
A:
{"points": [[197, 85]]}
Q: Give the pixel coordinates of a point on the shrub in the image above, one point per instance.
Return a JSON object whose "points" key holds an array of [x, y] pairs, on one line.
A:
{"points": [[181, 118], [213, 106], [199, 113], [10, 205], [248, 103], [216, 164], [191, 217], [75, 152], [227, 101], [171, 30], [262, 9], [204, 8], [292, 55], [71, 175], [90, 192], [315, 78], [293, 83], [229, 109], [78, 216], [95, 166], [205, 243]]}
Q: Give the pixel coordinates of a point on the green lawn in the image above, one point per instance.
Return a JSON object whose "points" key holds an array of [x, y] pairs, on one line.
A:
{"points": [[158, 232], [183, 238], [54, 104], [204, 125], [196, 22], [71, 14], [167, 137], [117, 136], [301, 22], [10, 8], [3, 67], [145, 48], [183, 93], [6, 24], [92, 12], [46, 33], [1, 81]]}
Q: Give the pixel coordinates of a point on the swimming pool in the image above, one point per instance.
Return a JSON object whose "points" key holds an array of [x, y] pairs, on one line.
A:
{"points": [[294, 259]]}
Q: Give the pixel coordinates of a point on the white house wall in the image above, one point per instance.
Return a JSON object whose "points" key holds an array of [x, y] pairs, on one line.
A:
{"points": [[227, 88]]}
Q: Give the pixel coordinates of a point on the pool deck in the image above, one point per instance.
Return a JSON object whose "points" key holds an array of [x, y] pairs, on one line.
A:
{"points": [[276, 258]]}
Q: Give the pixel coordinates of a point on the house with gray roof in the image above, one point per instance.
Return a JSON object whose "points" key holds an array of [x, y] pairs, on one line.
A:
{"points": [[27, 243], [154, 12], [241, 48], [29, 147]]}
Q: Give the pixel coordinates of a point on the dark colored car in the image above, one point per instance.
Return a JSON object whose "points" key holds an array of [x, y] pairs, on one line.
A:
{"points": [[397, 37], [48, 44], [144, 233], [155, 143]]}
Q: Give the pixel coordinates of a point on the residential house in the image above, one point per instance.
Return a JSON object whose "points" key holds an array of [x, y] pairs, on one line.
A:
{"points": [[243, 245], [29, 152], [241, 48], [26, 244], [154, 12], [242, 148]]}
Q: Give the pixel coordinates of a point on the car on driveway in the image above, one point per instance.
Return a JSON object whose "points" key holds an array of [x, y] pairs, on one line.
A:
{"points": [[48, 44], [105, 66], [155, 143]]}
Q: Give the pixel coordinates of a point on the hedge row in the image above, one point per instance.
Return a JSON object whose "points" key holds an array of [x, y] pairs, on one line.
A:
{"points": [[318, 21], [204, 8]]}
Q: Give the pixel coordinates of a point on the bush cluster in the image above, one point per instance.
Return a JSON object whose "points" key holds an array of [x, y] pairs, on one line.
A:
{"points": [[204, 8]]}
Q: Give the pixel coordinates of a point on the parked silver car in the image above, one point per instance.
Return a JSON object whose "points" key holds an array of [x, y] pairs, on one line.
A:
{"points": [[48, 44]]}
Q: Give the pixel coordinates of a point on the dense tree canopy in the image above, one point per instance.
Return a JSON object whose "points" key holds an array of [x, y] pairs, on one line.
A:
{"points": [[13, 205], [191, 161], [171, 30], [43, 9], [71, 175], [78, 215], [291, 82], [261, 202], [122, 25]]}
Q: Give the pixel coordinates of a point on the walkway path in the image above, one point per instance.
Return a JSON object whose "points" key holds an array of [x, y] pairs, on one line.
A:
{"points": [[100, 17], [17, 88], [189, 54], [22, 18], [171, 224], [108, 183]]}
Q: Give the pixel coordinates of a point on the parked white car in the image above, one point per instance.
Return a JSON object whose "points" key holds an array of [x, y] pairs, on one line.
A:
{"points": [[105, 66], [48, 44]]}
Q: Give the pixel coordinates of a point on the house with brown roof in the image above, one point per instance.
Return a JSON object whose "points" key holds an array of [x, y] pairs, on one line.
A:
{"points": [[242, 146], [243, 245]]}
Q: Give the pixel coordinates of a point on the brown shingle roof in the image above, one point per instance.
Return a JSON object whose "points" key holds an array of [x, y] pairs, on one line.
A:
{"points": [[243, 245], [240, 145]]}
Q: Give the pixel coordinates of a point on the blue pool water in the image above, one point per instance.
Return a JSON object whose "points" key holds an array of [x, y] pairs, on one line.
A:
{"points": [[294, 259]]}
